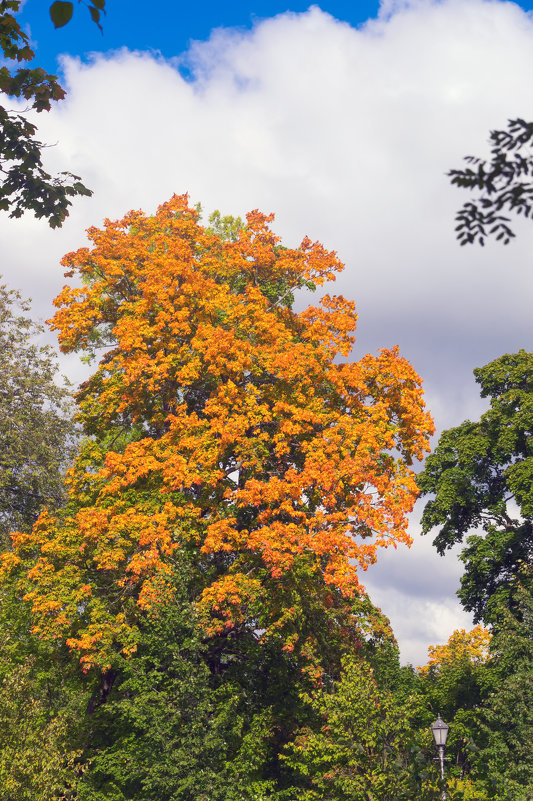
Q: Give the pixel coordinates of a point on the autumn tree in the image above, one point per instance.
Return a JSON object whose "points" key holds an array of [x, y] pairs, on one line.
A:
{"points": [[481, 475], [225, 425], [470, 646]]}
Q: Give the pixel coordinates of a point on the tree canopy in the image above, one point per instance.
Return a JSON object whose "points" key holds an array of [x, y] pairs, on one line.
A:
{"points": [[481, 474], [37, 437], [365, 747]]}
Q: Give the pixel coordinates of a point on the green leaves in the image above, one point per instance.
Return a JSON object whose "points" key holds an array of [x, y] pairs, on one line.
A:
{"points": [[61, 12], [25, 185], [507, 718], [361, 744], [481, 477], [503, 185], [35, 428], [94, 10]]}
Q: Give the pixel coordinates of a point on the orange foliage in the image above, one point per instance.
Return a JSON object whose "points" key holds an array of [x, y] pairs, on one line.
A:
{"points": [[471, 646], [224, 422]]}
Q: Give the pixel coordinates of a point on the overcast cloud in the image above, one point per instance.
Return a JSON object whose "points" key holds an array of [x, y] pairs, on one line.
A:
{"points": [[346, 134]]}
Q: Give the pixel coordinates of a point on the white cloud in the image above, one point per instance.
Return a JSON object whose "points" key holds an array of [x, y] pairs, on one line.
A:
{"points": [[416, 589], [347, 135]]}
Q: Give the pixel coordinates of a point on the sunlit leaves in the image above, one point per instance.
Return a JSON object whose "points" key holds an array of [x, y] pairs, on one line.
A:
{"points": [[471, 646], [362, 745]]}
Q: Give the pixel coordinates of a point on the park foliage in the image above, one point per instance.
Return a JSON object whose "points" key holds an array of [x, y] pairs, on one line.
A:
{"points": [[181, 609], [182, 613]]}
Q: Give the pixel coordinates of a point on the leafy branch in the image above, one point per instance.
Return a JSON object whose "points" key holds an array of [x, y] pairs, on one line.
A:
{"points": [[61, 12], [504, 182], [24, 183]]}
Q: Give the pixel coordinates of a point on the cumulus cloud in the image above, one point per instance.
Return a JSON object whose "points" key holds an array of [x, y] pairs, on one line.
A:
{"points": [[347, 135]]}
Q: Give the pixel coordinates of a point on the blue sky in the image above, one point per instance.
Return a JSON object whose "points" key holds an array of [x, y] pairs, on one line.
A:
{"points": [[168, 28], [346, 132]]}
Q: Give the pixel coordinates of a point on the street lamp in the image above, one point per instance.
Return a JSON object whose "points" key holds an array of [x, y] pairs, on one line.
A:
{"points": [[440, 735]]}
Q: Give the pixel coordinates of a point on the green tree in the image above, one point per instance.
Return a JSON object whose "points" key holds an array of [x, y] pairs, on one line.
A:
{"points": [[24, 183], [481, 475], [171, 729], [36, 442], [363, 743], [38, 711], [42, 698], [508, 713], [504, 182], [189, 718], [36, 426], [455, 683]]}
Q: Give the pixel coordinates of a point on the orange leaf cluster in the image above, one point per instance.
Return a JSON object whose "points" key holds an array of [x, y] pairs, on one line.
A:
{"points": [[225, 422]]}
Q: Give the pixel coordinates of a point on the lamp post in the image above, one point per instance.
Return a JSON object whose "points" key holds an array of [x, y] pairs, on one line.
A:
{"points": [[440, 735]]}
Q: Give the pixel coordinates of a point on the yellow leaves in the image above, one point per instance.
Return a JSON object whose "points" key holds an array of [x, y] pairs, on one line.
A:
{"points": [[223, 536], [227, 355], [137, 462], [8, 561], [471, 646], [320, 265], [155, 591]]}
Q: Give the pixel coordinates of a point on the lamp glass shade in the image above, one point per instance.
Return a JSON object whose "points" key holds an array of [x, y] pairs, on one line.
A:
{"points": [[440, 731]]}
